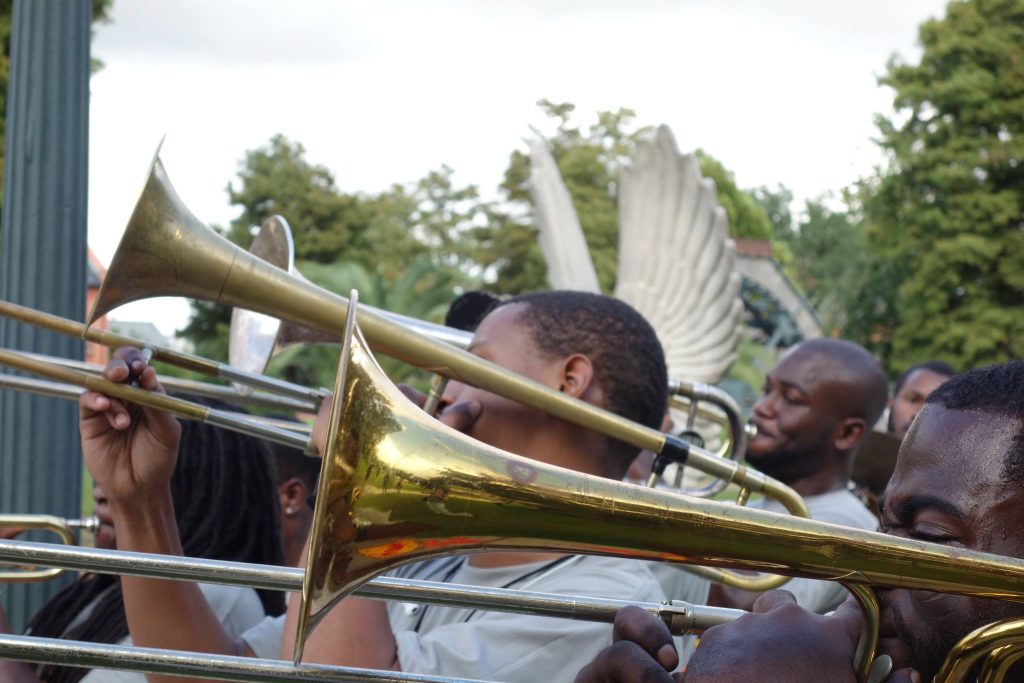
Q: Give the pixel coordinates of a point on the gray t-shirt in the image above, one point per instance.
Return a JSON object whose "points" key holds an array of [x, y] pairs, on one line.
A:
{"points": [[486, 645], [835, 507], [264, 639], [467, 643]]}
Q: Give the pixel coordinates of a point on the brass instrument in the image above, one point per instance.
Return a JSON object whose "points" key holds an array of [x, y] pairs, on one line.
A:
{"points": [[396, 486], [254, 338], [166, 251], [307, 397], [63, 528]]}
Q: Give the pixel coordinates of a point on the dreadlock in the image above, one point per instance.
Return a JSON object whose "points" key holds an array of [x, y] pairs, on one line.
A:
{"points": [[628, 361], [225, 503]]}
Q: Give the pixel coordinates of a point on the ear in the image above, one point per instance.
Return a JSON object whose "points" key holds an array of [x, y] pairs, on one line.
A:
{"points": [[848, 433], [576, 377], [292, 495]]}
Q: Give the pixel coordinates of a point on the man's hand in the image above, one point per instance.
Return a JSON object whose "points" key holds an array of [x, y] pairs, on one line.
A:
{"points": [[130, 450], [642, 652], [779, 641]]}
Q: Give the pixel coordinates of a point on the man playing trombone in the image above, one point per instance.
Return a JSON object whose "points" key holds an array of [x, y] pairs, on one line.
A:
{"points": [[573, 343], [957, 482]]}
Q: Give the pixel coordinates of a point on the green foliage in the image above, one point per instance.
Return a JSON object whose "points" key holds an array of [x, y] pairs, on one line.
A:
{"points": [[277, 179], [947, 211], [747, 219], [589, 161], [423, 291]]}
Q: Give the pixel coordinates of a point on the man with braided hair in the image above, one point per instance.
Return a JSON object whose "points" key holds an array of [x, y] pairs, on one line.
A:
{"points": [[591, 347]]}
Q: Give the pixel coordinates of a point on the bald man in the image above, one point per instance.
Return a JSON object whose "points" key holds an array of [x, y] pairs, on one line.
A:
{"points": [[819, 403]]}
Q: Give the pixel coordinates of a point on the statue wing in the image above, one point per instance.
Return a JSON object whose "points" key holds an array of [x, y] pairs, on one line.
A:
{"points": [[561, 237], [677, 265]]}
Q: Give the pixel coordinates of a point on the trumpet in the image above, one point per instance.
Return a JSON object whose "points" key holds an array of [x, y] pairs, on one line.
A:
{"points": [[63, 528]]}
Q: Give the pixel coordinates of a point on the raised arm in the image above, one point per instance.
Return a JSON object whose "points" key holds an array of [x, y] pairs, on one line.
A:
{"points": [[131, 452]]}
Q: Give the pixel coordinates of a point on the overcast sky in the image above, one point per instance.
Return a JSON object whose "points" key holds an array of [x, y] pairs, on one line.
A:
{"points": [[383, 91]]}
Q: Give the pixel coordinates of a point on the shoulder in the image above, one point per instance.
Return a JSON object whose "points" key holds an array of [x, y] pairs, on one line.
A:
{"points": [[841, 507]]}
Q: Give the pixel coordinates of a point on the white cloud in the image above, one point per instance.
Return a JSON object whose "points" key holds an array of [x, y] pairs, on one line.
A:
{"points": [[382, 92]]}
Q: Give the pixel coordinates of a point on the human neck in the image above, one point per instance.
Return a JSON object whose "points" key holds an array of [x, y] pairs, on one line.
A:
{"points": [[495, 560], [823, 481]]}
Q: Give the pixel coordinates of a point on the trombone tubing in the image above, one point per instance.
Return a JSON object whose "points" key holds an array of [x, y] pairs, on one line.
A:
{"points": [[178, 385], [182, 663], [681, 618], [185, 258], [182, 360], [71, 392], [176, 406]]}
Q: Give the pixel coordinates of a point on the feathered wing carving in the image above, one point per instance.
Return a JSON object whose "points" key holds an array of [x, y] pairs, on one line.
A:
{"points": [[676, 261], [561, 237]]}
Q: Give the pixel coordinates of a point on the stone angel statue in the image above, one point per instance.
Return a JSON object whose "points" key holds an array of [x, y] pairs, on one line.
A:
{"points": [[677, 265]]}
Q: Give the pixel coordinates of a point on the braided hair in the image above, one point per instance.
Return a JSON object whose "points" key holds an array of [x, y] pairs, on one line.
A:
{"points": [[225, 503]]}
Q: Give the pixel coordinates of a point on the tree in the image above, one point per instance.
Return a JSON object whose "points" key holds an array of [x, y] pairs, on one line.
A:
{"points": [[423, 291], [947, 212], [590, 160], [277, 179]]}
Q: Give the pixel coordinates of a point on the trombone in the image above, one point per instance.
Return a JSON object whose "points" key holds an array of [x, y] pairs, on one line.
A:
{"points": [[396, 487], [63, 528]]}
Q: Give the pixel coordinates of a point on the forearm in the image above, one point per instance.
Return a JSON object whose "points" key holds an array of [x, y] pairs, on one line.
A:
{"points": [[165, 614], [355, 632]]}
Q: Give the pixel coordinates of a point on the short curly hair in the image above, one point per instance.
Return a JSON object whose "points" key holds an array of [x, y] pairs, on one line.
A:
{"points": [[996, 390], [629, 363]]}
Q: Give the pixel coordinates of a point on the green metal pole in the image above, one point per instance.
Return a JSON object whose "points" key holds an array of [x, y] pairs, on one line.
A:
{"points": [[43, 257]]}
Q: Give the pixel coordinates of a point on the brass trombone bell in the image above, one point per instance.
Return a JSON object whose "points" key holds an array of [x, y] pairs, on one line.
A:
{"points": [[63, 528]]}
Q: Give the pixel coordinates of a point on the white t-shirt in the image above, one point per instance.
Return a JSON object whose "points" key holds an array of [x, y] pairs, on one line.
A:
{"points": [[487, 645], [237, 608], [264, 639], [836, 507]]}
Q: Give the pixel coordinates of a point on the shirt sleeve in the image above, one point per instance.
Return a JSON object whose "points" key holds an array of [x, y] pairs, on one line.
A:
{"points": [[513, 647], [846, 510], [264, 639], [237, 608]]}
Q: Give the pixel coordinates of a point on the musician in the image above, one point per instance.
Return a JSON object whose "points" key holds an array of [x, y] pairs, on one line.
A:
{"points": [[570, 341], [221, 494], [912, 388], [296, 484], [819, 403], [958, 481]]}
